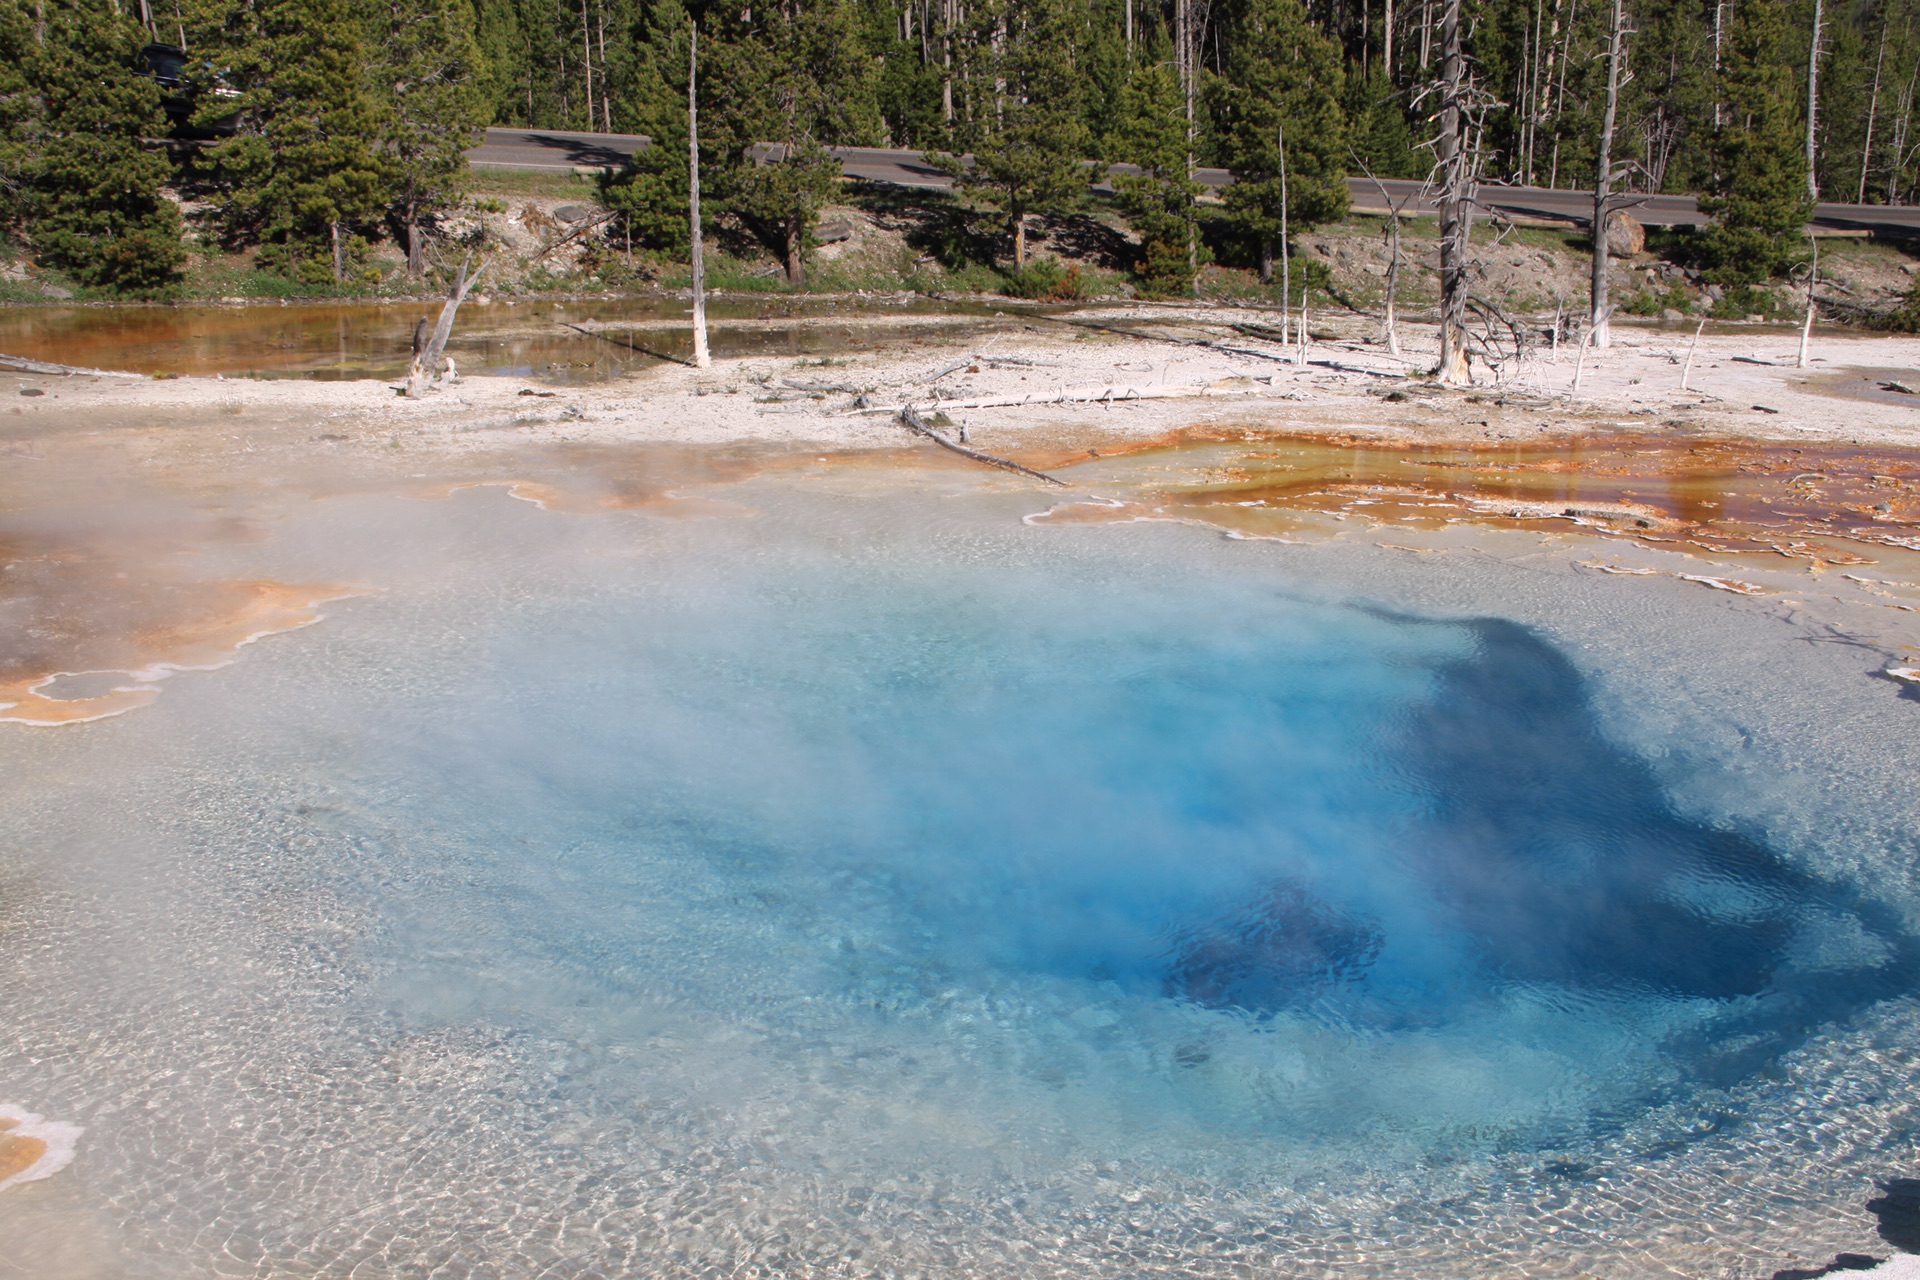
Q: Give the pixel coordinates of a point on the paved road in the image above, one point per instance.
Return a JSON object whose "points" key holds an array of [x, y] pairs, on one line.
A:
{"points": [[546, 149]]}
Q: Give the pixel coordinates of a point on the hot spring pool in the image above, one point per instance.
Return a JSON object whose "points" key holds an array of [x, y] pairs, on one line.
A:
{"points": [[865, 882]]}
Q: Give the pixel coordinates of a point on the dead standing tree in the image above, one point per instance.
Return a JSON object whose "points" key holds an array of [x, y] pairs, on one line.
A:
{"points": [[430, 364], [701, 358], [1462, 107], [1456, 169], [1391, 233], [1601, 312]]}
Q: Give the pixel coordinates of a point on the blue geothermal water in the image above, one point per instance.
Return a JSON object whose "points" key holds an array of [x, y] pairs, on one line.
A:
{"points": [[984, 867]]}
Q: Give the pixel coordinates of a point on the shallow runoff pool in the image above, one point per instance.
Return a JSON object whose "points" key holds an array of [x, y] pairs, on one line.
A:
{"points": [[856, 880]]}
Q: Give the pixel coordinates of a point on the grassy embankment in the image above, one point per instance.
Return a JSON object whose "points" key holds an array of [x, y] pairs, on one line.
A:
{"points": [[931, 243]]}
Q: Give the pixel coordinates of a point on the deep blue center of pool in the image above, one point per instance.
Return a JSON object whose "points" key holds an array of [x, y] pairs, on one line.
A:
{"points": [[1180, 845]]}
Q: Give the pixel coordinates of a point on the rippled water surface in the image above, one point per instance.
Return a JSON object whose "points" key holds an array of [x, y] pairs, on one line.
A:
{"points": [[866, 882]]}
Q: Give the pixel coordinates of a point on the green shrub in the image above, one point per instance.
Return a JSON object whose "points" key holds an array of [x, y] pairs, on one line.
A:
{"points": [[1745, 300], [1644, 302], [1045, 280]]}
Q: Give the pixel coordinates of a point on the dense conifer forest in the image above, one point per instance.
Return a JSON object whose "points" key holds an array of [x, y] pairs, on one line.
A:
{"points": [[314, 128]]}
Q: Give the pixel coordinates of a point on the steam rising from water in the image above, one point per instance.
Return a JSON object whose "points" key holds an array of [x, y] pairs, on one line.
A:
{"points": [[921, 888]]}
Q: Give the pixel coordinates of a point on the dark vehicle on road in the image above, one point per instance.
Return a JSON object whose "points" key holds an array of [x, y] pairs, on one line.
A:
{"points": [[184, 88]]}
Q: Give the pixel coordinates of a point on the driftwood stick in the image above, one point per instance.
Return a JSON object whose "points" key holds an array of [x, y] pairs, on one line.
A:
{"points": [[909, 417], [20, 364]]}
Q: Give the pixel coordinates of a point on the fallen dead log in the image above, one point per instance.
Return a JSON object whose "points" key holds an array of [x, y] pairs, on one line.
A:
{"points": [[909, 417], [955, 367], [1108, 395], [591, 225], [839, 388], [20, 364], [1338, 367]]}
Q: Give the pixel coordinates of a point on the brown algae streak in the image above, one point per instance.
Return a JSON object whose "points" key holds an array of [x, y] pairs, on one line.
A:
{"points": [[119, 670], [1824, 504], [32, 1148]]}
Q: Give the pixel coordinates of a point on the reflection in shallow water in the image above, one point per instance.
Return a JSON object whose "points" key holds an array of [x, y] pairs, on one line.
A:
{"points": [[881, 884], [526, 340]]}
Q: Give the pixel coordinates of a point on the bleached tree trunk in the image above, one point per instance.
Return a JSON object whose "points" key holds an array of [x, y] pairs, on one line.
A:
{"points": [[946, 60], [1533, 89], [1813, 100], [1558, 97], [1393, 257], [606, 99], [1456, 196], [701, 359], [1719, 38], [1873, 112], [429, 363], [1386, 43], [586, 66], [1601, 312], [1286, 253], [1813, 276]]}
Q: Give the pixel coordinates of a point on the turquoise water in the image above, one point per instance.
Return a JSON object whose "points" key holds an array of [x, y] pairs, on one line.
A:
{"points": [[874, 884]]}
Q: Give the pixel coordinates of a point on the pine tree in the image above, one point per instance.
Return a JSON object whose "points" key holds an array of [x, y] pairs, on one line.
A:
{"points": [[430, 69], [19, 109], [1846, 73], [1029, 155], [1159, 200], [496, 29], [1281, 75], [799, 81], [1669, 103], [651, 194], [92, 190], [305, 175], [1758, 198], [1377, 129]]}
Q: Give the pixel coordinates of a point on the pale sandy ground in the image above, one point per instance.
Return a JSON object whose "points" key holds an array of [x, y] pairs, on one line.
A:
{"points": [[1115, 388]]}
